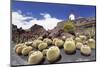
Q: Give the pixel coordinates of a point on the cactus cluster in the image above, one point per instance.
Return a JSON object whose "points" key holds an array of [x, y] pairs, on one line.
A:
{"points": [[46, 48], [23, 49]]}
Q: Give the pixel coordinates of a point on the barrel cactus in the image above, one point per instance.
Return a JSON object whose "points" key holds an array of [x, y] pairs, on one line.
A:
{"points": [[59, 43], [91, 43], [36, 43], [44, 52], [69, 47], [31, 52], [83, 37], [35, 58], [79, 45], [19, 48], [18, 45], [53, 53], [26, 50], [54, 40], [85, 50], [29, 43], [78, 39], [42, 45], [48, 41]]}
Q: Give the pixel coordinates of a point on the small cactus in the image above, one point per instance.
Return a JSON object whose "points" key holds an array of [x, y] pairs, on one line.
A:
{"points": [[18, 45], [53, 53], [42, 46], [77, 39], [44, 52], [35, 58], [28, 43], [91, 43], [59, 43], [19, 48], [26, 50], [83, 37], [85, 50], [79, 45], [36, 43], [54, 40], [69, 47], [31, 52], [48, 41]]}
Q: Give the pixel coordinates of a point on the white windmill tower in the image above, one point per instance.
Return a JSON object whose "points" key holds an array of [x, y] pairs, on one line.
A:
{"points": [[72, 16]]}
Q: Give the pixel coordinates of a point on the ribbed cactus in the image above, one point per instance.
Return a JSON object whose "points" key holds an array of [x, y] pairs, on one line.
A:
{"points": [[53, 53], [35, 58]]}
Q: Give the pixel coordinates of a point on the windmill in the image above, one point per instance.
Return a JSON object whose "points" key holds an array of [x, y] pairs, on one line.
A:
{"points": [[72, 15]]}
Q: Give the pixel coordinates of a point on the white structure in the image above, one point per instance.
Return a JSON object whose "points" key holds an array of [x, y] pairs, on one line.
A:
{"points": [[72, 17]]}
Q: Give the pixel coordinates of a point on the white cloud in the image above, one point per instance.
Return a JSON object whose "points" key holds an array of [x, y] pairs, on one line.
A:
{"points": [[48, 22]]}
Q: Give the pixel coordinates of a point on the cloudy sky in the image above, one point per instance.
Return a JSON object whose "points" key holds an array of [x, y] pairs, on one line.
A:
{"points": [[26, 14]]}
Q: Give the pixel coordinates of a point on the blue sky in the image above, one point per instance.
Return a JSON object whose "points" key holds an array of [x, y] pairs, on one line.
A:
{"points": [[60, 11], [25, 13]]}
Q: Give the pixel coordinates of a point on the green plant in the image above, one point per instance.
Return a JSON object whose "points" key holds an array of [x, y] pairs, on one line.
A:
{"points": [[69, 26]]}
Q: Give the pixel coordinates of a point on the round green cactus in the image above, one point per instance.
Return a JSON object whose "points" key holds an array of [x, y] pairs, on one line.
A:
{"points": [[85, 50], [54, 40], [69, 46], [91, 43], [79, 45], [31, 52], [19, 48], [83, 37], [29, 43], [53, 53], [59, 43], [69, 39], [48, 41], [42, 46], [78, 39], [44, 52], [18, 45], [35, 58], [26, 50], [36, 43]]}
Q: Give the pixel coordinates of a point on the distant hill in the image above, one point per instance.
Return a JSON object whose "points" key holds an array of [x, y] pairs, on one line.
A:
{"points": [[20, 35], [79, 22]]}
